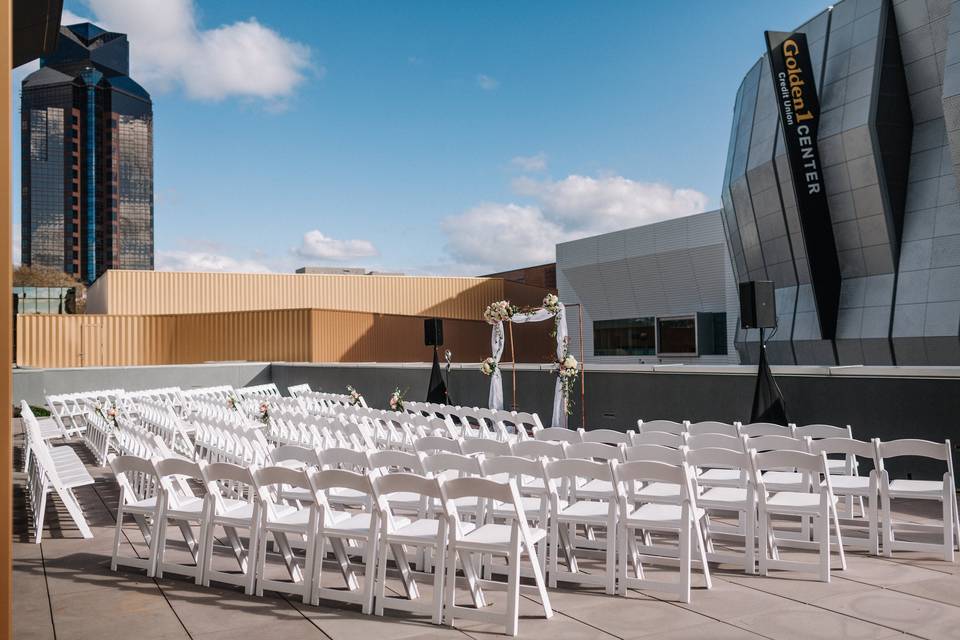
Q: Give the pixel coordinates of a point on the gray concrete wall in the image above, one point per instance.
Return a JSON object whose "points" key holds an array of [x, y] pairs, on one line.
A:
{"points": [[33, 384]]}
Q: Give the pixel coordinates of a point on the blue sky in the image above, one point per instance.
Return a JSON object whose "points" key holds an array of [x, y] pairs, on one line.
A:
{"points": [[430, 137]]}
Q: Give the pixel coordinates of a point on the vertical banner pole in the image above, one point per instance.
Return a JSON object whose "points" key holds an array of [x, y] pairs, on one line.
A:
{"points": [[513, 368], [583, 371]]}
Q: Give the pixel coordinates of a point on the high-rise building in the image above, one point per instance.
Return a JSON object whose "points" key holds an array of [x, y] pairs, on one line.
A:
{"points": [[87, 158]]}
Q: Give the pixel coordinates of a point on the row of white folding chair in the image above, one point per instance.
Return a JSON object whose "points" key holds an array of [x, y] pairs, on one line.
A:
{"points": [[171, 397], [297, 389], [56, 468], [162, 420], [815, 431], [268, 390], [219, 394], [99, 433], [222, 413], [480, 422], [218, 444], [68, 409], [147, 491], [330, 400]]}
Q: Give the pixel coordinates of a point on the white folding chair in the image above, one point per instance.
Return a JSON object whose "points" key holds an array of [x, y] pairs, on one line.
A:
{"points": [[424, 533], [347, 460], [754, 429], [140, 497], [512, 540], [186, 509], [436, 444], [725, 499], [280, 521], [718, 476], [852, 485], [943, 491], [813, 501], [571, 510], [235, 507], [342, 528], [648, 514]]}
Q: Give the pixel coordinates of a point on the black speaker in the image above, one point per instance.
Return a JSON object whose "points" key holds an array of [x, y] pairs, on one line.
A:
{"points": [[433, 332], [758, 309]]}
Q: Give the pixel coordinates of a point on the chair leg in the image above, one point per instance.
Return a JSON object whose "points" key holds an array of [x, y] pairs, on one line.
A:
{"points": [[439, 569], [763, 540], [825, 544], [703, 540], [116, 539], [685, 551], [252, 574], [368, 573], [158, 519], [450, 592], [538, 578], [160, 532], [513, 589], [887, 517], [749, 541], [836, 525], [947, 529], [257, 564], [611, 559], [308, 564], [380, 586], [554, 552], [622, 533]]}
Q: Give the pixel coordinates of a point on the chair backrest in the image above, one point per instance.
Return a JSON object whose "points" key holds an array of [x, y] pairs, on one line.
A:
{"points": [[847, 447], [606, 436], [488, 446], [594, 451], [517, 468], [435, 444], [916, 448], [715, 441], [666, 426], [137, 477], [812, 465], [712, 426], [579, 468], [326, 479], [818, 431], [298, 389], [450, 465], [291, 452], [717, 458], [388, 461], [654, 453], [551, 450], [559, 434], [383, 486], [480, 488], [777, 443], [766, 429], [628, 474], [662, 438], [343, 458]]}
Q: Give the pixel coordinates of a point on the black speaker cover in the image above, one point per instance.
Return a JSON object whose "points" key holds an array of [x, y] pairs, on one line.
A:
{"points": [[433, 332], [758, 309]]}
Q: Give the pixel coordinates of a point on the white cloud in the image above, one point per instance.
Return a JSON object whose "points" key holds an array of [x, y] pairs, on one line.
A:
{"points": [[487, 83], [495, 236], [16, 244], [169, 49], [177, 260], [604, 204], [317, 245], [530, 164]]}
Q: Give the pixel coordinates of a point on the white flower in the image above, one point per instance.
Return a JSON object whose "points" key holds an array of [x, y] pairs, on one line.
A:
{"points": [[570, 362]]}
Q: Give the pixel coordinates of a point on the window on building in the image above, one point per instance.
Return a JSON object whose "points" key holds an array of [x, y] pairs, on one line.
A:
{"points": [[677, 336], [631, 337], [712, 334]]}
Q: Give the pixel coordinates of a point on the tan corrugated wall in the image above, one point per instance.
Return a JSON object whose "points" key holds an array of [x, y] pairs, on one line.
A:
{"points": [[120, 292], [291, 335]]}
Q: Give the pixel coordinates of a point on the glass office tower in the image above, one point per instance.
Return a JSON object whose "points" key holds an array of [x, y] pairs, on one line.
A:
{"points": [[87, 158]]}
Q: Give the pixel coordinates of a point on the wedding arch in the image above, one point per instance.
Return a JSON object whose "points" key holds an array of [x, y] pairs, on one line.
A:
{"points": [[566, 368]]}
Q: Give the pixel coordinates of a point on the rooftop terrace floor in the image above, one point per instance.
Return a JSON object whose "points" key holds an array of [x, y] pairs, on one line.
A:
{"points": [[64, 589]]}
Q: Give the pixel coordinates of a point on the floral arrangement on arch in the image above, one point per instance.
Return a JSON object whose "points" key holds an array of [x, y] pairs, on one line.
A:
{"points": [[355, 397], [567, 368], [489, 366], [552, 304], [264, 412], [499, 311], [396, 399]]}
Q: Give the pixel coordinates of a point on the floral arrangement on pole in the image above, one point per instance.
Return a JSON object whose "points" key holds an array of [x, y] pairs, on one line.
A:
{"points": [[488, 366], [396, 399], [264, 412], [110, 414], [355, 397], [567, 368], [499, 311], [233, 402]]}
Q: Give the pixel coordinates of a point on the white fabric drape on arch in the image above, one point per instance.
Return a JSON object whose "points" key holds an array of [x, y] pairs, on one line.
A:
{"points": [[497, 341]]}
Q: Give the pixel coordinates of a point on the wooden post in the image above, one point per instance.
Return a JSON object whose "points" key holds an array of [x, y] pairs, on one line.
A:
{"points": [[513, 368], [6, 321]]}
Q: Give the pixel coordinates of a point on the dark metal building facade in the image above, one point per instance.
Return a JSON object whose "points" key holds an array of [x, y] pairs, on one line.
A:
{"points": [[888, 78]]}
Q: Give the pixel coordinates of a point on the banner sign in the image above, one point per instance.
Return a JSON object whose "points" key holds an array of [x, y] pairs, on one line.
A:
{"points": [[796, 93]]}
